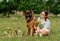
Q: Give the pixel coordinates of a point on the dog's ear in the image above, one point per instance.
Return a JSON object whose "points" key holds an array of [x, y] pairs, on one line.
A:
{"points": [[30, 11], [24, 12]]}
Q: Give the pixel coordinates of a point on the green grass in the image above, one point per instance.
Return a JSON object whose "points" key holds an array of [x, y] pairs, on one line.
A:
{"points": [[19, 21]]}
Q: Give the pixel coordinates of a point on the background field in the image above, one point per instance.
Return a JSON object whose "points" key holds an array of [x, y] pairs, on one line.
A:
{"points": [[19, 21]]}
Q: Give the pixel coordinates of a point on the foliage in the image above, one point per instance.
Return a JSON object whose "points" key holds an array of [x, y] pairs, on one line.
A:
{"points": [[36, 5]]}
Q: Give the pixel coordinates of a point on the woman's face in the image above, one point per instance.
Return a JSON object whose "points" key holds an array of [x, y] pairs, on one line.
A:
{"points": [[42, 15]]}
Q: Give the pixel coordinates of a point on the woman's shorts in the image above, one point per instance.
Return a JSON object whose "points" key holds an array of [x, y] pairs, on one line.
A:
{"points": [[48, 30]]}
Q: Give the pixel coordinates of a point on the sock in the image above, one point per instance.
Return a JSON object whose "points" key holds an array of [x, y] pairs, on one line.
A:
{"points": [[40, 35]]}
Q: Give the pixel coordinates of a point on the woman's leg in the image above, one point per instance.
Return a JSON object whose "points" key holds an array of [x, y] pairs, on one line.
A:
{"points": [[45, 32], [37, 30]]}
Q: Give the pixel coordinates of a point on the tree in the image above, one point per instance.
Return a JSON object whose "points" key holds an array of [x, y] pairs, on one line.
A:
{"points": [[55, 8], [6, 8], [36, 5]]}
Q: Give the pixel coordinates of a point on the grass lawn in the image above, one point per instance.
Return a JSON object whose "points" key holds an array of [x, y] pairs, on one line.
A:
{"points": [[18, 21]]}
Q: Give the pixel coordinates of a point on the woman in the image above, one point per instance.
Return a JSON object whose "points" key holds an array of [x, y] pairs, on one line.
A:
{"points": [[44, 24]]}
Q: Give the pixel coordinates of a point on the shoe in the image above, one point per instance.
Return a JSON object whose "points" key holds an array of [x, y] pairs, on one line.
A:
{"points": [[41, 35], [35, 35]]}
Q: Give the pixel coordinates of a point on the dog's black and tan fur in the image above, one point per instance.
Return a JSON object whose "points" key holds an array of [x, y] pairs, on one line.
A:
{"points": [[30, 21]]}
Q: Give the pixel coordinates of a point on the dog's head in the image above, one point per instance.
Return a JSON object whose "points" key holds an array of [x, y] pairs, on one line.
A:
{"points": [[28, 14]]}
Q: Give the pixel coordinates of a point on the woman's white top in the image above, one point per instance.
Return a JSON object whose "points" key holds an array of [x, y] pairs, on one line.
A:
{"points": [[44, 24]]}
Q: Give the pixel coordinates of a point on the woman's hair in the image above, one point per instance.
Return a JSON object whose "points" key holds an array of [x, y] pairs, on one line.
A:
{"points": [[46, 14]]}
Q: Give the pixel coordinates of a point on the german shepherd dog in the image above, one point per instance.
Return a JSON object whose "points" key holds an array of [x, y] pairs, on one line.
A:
{"points": [[30, 21]]}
